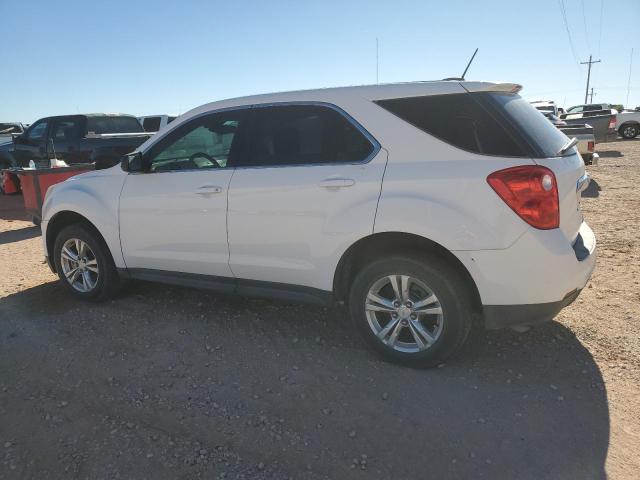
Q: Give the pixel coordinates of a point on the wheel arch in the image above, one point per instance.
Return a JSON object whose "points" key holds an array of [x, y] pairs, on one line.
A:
{"points": [[628, 123], [386, 243], [63, 219]]}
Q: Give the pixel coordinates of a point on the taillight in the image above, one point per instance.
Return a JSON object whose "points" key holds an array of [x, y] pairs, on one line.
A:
{"points": [[590, 146], [612, 123], [531, 191]]}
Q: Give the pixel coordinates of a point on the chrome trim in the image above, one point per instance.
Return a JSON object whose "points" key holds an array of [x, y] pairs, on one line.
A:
{"points": [[374, 142]]}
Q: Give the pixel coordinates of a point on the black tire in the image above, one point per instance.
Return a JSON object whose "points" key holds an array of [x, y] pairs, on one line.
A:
{"points": [[445, 282], [108, 281], [629, 131]]}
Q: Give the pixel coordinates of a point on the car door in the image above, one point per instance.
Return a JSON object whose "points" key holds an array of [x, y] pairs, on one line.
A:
{"points": [[33, 144], [173, 216], [65, 139], [308, 187]]}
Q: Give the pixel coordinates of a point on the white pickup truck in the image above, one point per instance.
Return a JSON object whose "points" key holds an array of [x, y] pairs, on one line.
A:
{"points": [[628, 124]]}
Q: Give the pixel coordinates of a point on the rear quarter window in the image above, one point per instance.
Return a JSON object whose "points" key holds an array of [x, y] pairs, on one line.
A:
{"points": [[493, 124]]}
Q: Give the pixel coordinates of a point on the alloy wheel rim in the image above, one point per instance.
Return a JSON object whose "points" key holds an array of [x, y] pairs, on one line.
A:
{"points": [[630, 131], [79, 265], [404, 313]]}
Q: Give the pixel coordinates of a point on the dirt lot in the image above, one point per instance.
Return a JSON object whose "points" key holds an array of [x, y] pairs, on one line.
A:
{"points": [[172, 383]]}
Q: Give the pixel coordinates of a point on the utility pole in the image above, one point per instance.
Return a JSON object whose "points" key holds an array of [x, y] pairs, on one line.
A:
{"points": [[629, 80], [591, 96], [590, 62], [377, 62]]}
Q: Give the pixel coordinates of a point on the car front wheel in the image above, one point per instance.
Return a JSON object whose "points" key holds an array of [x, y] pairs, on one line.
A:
{"points": [[84, 264], [412, 310]]}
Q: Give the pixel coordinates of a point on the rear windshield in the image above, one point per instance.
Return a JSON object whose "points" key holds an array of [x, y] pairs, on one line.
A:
{"points": [[487, 123], [113, 124]]}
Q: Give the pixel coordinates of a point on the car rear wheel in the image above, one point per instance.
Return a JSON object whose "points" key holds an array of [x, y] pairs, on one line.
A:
{"points": [[629, 131], [412, 310], [84, 264]]}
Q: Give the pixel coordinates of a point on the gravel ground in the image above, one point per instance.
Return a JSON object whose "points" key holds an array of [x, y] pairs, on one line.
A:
{"points": [[167, 382]]}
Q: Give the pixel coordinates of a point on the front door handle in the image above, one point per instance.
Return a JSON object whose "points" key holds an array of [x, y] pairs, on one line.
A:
{"points": [[337, 182], [208, 190]]}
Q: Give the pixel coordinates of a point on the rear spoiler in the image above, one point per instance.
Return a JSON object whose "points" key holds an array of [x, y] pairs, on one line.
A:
{"points": [[491, 87]]}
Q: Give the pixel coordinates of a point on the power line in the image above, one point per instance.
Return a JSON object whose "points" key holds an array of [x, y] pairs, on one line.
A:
{"points": [[566, 27], [584, 22], [600, 32]]}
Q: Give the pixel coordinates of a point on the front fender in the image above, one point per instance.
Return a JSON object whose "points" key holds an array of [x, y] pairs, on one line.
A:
{"points": [[94, 197]]}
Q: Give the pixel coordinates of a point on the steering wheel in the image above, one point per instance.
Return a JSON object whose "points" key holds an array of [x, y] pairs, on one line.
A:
{"points": [[213, 161]]}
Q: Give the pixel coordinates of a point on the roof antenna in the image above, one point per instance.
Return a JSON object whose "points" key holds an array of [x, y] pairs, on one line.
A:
{"points": [[469, 64], [465, 70]]}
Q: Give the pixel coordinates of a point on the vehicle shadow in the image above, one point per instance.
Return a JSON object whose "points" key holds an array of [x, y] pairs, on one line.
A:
{"points": [[610, 154], [291, 386], [10, 236], [592, 190]]}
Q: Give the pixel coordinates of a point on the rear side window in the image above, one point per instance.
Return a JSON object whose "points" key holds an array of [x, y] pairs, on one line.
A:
{"points": [[67, 129], [459, 120], [113, 124], [303, 135], [488, 123], [151, 124]]}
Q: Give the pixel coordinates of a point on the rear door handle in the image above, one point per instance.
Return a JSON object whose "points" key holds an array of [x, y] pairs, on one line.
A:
{"points": [[337, 182], [208, 190]]}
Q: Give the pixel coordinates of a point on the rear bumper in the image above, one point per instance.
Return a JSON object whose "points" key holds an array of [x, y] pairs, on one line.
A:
{"points": [[535, 278], [501, 316]]}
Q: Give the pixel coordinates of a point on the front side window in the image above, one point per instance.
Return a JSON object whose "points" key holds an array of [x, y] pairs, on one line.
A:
{"points": [[204, 143], [38, 131], [303, 135]]}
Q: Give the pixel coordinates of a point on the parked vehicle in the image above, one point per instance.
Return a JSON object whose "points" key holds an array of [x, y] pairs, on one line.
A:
{"points": [[628, 124], [100, 138], [546, 106], [8, 130], [153, 123], [591, 107], [421, 206], [583, 133], [602, 121]]}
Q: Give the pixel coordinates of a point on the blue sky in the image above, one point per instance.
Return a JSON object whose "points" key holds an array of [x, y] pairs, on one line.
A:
{"points": [[146, 57]]}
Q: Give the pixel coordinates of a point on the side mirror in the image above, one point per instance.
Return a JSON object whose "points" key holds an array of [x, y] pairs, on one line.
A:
{"points": [[132, 162]]}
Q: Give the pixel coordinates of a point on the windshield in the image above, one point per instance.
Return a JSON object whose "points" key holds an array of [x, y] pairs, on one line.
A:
{"points": [[113, 124], [539, 132]]}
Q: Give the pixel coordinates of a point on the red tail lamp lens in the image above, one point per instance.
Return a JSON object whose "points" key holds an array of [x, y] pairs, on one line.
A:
{"points": [[531, 191]]}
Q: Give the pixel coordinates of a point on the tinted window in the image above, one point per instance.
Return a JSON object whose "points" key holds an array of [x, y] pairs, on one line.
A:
{"points": [[67, 129], [206, 142], [151, 124], [487, 123], [170, 119], [113, 124], [38, 131], [542, 135], [303, 134]]}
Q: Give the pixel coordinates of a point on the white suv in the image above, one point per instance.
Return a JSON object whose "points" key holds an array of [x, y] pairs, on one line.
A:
{"points": [[421, 206]]}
